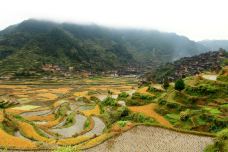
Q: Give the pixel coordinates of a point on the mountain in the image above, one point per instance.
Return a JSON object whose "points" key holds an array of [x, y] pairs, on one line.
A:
{"points": [[32, 44], [215, 44]]}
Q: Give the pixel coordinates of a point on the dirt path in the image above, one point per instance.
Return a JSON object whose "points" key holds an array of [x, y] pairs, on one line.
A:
{"points": [[152, 139], [149, 111]]}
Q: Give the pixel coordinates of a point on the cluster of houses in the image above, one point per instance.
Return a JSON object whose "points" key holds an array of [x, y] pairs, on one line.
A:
{"points": [[210, 61]]}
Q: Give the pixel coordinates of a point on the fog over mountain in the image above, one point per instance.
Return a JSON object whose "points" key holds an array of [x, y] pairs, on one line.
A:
{"points": [[215, 44], [32, 43]]}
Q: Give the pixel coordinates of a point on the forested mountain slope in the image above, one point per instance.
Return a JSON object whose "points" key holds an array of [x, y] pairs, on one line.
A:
{"points": [[30, 45]]}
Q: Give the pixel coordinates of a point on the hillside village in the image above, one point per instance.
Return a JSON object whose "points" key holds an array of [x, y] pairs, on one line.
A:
{"points": [[187, 66]]}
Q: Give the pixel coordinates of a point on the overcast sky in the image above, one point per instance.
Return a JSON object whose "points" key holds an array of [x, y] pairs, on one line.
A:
{"points": [[196, 19]]}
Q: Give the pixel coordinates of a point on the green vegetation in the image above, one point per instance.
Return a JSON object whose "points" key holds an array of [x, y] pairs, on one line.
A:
{"points": [[70, 120], [87, 123], [109, 101], [140, 118], [200, 106], [123, 95], [138, 99], [122, 123], [66, 149], [179, 85], [165, 83], [84, 47], [62, 110], [221, 142]]}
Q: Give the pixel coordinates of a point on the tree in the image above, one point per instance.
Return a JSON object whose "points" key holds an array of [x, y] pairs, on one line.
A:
{"points": [[165, 83], [179, 85]]}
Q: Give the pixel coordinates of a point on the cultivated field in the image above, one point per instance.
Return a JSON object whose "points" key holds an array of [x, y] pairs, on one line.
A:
{"points": [[152, 139]]}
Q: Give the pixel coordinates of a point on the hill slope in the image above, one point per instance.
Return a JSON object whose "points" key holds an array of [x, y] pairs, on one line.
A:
{"points": [[31, 44], [188, 66]]}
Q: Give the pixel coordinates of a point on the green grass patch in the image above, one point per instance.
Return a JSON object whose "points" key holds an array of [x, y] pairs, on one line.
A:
{"points": [[213, 111]]}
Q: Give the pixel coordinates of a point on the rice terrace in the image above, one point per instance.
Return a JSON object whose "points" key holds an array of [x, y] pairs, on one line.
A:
{"points": [[113, 76], [101, 113]]}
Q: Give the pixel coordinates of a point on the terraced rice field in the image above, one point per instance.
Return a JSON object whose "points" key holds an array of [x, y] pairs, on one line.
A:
{"points": [[70, 131], [149, 111], [152, 139], [52, 114], [42, 118]]}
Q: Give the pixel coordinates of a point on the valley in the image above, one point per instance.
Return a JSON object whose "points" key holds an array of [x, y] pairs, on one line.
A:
{"points": [[68, 87], [100, 113]]}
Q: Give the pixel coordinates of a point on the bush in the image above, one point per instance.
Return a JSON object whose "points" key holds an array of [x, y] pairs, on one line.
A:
{"points": [[220, 144], [223, 135], [142, 96], [123, 95], [184, 115], [172, 105], [122, 123], [132, 102], [139, 118], [179, 85], [109, 102], [118, 114], [223, 78], [165, 83], [162, 102], [203, 89]]}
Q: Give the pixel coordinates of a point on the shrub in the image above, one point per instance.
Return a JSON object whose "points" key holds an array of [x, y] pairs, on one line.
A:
{"points": [[162, 102], [62, 110], [223, 135], [142, 96], [123, 95], [165, 83], [223, 78], [109, 102], [184, 115], [139, 118], [87, 123], [179, 85], [220, 143], [132, 102], [172, 105], [122, 123], [203, 89], [118, 114], [70, 120]]}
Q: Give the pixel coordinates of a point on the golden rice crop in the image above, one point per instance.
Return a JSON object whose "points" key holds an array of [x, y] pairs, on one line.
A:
{"points": [[73, 141], [95, 141], [95, 111], [10, 141], [49, 117], [148, 110], [30, 132], [53, 123]]}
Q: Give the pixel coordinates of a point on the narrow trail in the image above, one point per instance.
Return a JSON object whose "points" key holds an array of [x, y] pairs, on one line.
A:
{"points": [[149, 111]]}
